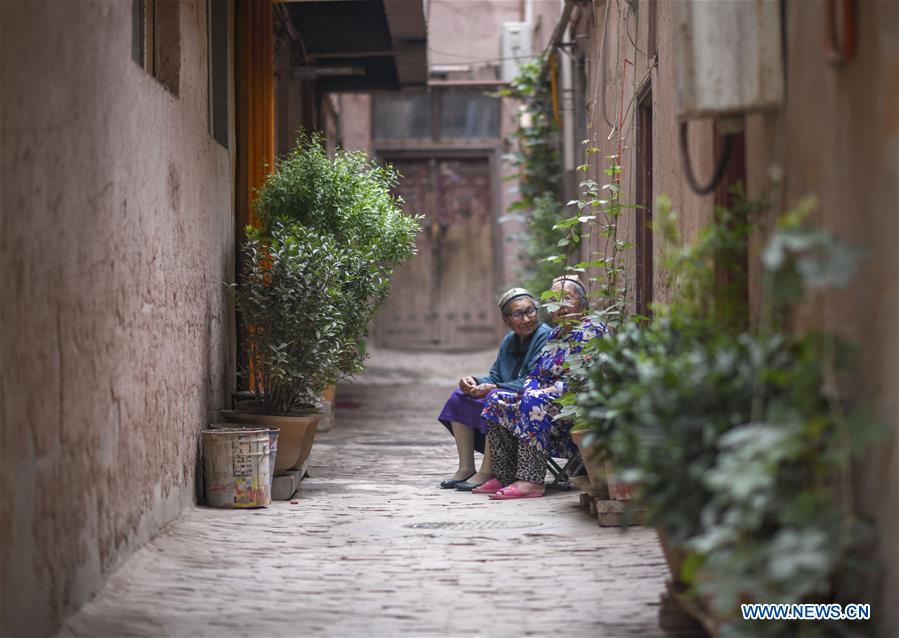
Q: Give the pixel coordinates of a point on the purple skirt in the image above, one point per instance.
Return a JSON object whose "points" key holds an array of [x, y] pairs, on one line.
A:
{"points": [[467, 411]]}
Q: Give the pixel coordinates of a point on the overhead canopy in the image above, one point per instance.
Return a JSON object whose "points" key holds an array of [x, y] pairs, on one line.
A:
{"points": [[361, 45]]}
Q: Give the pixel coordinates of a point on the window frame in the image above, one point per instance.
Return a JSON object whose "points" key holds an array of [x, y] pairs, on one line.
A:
{"points": [[436, 137], [147, 40]]}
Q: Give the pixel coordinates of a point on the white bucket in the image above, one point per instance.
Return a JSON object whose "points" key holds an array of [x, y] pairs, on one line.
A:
{"points": [[236, 468]]}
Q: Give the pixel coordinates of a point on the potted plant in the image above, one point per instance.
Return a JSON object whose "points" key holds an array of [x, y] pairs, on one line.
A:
{"points": [[736, 444], [287, 297], [591, 456], [348, 197], [312, 278]]}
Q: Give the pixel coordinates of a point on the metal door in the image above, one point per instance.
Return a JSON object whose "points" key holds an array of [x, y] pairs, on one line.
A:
{"points": [[443, 299]]}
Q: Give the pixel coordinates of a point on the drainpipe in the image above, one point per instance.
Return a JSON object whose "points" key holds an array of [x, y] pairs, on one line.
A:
{"points": [[568, 141], [556, 39]]}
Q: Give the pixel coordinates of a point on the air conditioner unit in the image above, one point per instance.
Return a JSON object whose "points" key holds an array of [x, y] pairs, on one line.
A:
{"points": [[727, 57], [516, 47]]}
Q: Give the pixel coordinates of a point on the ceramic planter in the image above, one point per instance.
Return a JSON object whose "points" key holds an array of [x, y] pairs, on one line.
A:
{"points": [[618, 489], [697, 608], [297, 434], [674, 557], [596, 471]]}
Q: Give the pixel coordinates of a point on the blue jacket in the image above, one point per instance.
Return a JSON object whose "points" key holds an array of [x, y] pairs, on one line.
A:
{"points": [[512, 362]]}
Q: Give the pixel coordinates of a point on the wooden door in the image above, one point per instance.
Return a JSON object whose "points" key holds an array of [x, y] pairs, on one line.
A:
{"points": [[444, 298]]}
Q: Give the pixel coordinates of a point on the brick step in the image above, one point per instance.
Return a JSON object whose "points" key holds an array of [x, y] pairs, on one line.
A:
{"points": [[610, 513]]}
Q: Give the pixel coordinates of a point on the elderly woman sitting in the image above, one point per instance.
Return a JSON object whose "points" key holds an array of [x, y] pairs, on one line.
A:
{"points": [[522, 432], [462, 413]]}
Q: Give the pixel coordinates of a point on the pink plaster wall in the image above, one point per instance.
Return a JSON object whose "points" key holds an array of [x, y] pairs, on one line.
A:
{"points": [[627, 71], [468, 32], [355, 121], [116, 236], [836, 138]]}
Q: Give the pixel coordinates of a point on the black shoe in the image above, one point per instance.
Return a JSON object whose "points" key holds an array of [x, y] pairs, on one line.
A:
{"points": [[449, 484], [465, 486]]}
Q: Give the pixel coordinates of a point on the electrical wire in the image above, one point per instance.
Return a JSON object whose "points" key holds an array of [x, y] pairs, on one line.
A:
{"points": [[627, 29], [474, 59]]}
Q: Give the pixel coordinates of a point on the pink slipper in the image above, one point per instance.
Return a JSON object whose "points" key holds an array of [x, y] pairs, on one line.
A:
{"points": [[508, 493], [489, 487]]}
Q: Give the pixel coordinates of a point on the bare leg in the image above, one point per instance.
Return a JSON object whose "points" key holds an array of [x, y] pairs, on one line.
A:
{"points": [[486, 471], [465, 446]]}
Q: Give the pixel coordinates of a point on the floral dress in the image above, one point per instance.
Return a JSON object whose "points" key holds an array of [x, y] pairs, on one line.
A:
{"points": [[529, 414]]}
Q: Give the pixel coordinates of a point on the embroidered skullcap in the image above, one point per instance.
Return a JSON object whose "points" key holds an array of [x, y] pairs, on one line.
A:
{"points": [[575, 281], [509, 295]]}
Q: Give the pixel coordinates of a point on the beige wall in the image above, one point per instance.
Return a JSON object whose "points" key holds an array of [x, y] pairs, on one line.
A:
{"points": [[837, 139], [461, 32], [116, 237]]}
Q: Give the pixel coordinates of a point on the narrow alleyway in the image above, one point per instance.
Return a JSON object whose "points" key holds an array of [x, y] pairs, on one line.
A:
{"points": [[372, 547]]}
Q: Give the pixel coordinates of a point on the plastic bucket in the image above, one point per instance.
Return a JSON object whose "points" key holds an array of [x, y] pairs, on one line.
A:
{"points": [[273, 435], [237, 467]]}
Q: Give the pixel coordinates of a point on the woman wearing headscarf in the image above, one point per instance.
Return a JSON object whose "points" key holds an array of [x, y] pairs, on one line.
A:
{"points": [[522, 431], [461, 414]]}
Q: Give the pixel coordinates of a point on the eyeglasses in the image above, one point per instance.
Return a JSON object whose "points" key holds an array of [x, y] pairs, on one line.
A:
{"points": [[521, 314]]}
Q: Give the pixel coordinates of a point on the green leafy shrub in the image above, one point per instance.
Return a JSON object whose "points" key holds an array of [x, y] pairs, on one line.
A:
{"points": [[346, 197], [313, 277], [289, 297], [539, 172], [736, 439], [541, 242]]}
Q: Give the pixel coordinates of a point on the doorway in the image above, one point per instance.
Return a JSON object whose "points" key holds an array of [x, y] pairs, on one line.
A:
{"points": [[443, 298]]}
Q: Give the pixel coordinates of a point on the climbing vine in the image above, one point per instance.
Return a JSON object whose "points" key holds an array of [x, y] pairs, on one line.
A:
{"points": [[598, 210], [536, 157]]}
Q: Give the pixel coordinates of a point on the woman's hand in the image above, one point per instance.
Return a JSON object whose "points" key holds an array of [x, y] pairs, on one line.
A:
{"points": [[482, 390], [467, 384]]}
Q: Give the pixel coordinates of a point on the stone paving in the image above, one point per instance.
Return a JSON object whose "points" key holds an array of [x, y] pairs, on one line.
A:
{"points": [[372, 547]]}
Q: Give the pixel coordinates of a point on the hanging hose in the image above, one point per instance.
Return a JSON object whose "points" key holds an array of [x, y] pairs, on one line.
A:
{"points": [[554, 87], [841, 32], [688, 167]]}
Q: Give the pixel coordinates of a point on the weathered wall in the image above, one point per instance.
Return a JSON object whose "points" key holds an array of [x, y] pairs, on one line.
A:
{"points": [[355, 121], [627, 71], [837, 138], [468, 33], [117, 235]]}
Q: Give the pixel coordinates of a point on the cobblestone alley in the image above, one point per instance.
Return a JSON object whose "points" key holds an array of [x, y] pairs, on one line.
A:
{"points": [[372, 546]]}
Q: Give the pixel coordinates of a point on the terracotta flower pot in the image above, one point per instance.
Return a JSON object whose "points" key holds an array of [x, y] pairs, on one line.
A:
{"points": [[596, 471], [618, 489], [327, 421], [694, 605], [673, 556], [296, 437]]}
